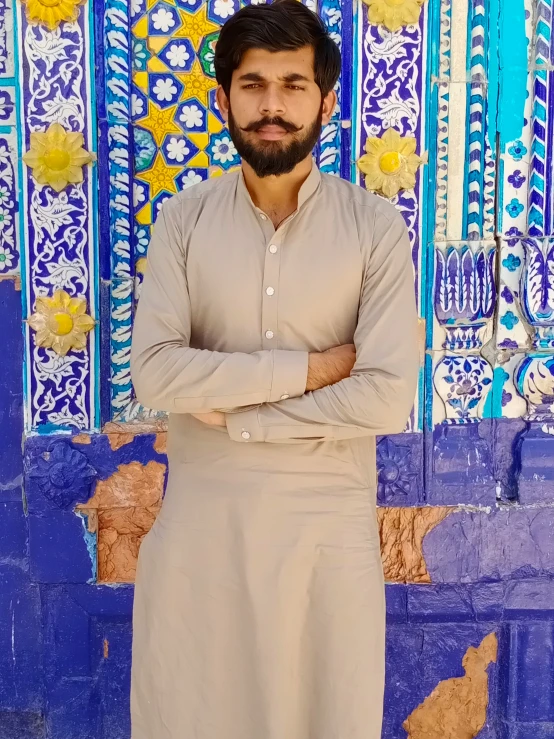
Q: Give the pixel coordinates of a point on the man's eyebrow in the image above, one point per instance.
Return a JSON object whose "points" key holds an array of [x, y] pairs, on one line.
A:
{"points": [[256, 77]]}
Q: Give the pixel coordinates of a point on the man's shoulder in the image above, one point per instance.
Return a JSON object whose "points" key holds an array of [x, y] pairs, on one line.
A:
{"points": [[348, 193], [202, 191]]}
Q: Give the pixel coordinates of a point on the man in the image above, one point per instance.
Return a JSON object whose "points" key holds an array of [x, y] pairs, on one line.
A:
{"points": [[277, 326]]}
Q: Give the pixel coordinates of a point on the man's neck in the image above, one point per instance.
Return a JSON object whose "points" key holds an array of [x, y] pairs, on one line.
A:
{"points": [[277, 196]]}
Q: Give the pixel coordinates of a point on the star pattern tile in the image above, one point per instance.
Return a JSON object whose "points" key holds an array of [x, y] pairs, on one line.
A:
{"points": [[160, 122], [174, 92], [161, 176]]}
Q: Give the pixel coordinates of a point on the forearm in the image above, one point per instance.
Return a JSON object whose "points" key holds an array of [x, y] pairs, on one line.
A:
{"points": [[361, 405], [180, 379]]}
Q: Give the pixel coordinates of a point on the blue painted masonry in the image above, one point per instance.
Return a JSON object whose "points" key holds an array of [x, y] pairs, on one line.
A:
{"points": [[466, 494]]}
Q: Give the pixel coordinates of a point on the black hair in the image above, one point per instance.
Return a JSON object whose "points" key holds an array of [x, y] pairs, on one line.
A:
{"points": [[284, 25]]}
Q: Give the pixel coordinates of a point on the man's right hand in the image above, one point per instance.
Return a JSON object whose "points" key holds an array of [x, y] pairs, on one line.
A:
{"points": [[326, 368]]}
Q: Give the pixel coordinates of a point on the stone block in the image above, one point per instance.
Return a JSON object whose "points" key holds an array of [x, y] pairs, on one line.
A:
{"points": [[396, 595], [529, 599], [11, 392], [13, 532], [460, 465], [58, 549], [479, 546], [20, 641], [452, 666], [87, 655], [528, 696]]}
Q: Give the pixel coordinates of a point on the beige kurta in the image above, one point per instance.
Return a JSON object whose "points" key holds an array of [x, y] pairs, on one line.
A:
{"points": [[259, 601]]}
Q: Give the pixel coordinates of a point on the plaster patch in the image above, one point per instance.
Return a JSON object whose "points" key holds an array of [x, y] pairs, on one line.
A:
{"points": [[457, 707], [402, 532]]}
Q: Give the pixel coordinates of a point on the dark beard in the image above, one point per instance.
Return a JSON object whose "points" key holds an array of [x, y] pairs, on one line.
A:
{"points": [[272, 157]]}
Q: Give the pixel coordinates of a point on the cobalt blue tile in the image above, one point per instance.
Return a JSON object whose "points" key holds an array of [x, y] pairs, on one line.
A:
{"points": [[20, 641], [58, 550], [459, 465], [396, 603], [11, 392], [21, 725], [441, 603], [13, 532], [536, 459]]}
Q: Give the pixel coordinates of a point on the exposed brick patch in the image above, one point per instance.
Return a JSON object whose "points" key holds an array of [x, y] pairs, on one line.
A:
{"points": [[402, 532], [457, 707], [122, 511]]}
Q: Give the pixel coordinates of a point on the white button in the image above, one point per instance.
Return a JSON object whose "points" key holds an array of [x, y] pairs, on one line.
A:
{"points": [[264, 218], [245, 435], [269, 334], [270, 291], [285, 396], [273, 249]]}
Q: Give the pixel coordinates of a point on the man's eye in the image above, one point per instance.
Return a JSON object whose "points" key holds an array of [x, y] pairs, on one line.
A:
{"points": [[252, 86], [295, 87]]}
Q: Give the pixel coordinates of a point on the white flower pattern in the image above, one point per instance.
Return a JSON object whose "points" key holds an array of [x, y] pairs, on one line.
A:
{"points": [[224, 8], [137, 105], [6, 258], [139, 194], [5, 218], [177, 149], [163, 20], [178, 55], [191, 178], [191, 116], [164, 90], [224, 150]]}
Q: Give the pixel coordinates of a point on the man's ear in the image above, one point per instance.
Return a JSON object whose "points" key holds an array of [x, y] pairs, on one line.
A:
{"points": [[329, 104], [222, 102]]}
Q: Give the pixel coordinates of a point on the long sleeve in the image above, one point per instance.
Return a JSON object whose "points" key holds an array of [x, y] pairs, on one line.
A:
{"points": [[378, 396], [171, 376]]}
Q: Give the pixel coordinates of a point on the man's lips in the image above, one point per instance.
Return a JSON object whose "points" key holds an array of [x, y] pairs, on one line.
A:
{"points": [[271, 133]]}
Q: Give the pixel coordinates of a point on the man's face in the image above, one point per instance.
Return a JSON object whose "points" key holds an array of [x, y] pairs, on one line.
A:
{"points": [[275, 111]]}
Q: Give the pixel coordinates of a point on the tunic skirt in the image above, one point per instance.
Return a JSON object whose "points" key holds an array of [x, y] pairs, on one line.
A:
{"points": [[259, 603], [259, 607]]}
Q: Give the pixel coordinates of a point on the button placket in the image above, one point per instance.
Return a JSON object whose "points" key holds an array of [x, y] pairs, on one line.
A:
{"points": [[270, 294]]}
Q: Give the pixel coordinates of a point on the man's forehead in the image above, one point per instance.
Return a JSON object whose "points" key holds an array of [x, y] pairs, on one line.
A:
{"points": [[284, 65]]}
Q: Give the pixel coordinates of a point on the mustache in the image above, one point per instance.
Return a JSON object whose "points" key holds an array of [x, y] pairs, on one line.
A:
{"points": [[276, 121]]}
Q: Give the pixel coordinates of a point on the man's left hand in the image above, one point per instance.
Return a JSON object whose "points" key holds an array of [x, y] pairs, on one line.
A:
{"points": [[213, 418]]}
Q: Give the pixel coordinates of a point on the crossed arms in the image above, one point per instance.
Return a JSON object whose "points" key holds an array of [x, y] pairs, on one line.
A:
{"points": [[362, 389]]}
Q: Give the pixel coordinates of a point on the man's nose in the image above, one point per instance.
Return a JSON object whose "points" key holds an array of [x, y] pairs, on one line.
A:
{"points": [[272, 102]]}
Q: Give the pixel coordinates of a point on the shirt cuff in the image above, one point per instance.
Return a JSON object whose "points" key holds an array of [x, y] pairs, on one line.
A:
{"points": [[244, 426], [290, 374]]}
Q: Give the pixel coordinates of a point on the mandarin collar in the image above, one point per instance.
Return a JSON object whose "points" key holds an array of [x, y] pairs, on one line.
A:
{"points": [[307, 189]]}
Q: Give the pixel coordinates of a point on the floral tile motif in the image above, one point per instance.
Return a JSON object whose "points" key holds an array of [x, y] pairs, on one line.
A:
{"points": [[59, 228], [9, 253]]}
